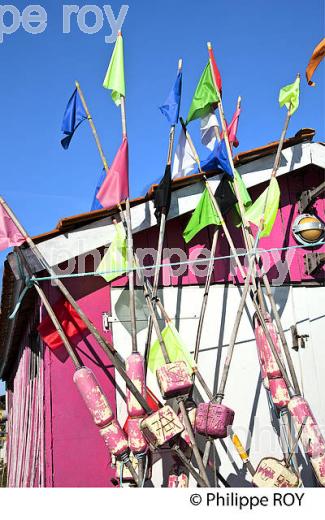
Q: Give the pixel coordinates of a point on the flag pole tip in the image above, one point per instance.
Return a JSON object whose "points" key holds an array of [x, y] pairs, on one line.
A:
{"points": [[209, 44], [180, 63], [77, 83], [119, 33]]}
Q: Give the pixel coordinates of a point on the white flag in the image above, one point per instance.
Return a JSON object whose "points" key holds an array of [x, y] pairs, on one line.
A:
{"points": [[184, 162], [208, 136]]}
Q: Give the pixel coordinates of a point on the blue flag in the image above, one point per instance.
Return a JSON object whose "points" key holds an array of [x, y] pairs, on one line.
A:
{"points": [[96, 204], [218, 159], [74, 115], [172, 104]]}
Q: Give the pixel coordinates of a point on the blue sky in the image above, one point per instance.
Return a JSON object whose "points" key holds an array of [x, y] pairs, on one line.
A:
{"points": [[259, 47]]}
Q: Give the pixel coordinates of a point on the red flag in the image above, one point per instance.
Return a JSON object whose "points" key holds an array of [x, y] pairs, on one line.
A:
{"points": [[317, 56], [71, 323], [115, 187], [215, 70], [10, 235]]}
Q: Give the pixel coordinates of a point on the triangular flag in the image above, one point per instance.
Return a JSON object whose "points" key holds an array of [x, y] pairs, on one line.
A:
{"points": [[317, 56], [289, 96], [266, 205], [176, 349], [115, 187], [74, 115], [208, 134], [244, 196], [184, 162], [233, 127], [172, 104], [218, 159], [204, 215], [162, 194], [10, 236], [70, 321], [95, 203], [115, 261], [114, 79], [225, 196], [205, 97], [215, 69]]}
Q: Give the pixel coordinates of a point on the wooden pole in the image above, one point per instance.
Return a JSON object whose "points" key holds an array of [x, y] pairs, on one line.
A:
{"points": [[237, 443], [93, 128], [107, 347], [162, 229], [205, 295], [246, 228], [74, 358], [164, 351], [246, 288]]}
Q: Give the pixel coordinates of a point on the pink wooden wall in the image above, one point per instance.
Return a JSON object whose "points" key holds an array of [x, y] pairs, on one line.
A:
{"points": [[290, 185], [75, 454]]}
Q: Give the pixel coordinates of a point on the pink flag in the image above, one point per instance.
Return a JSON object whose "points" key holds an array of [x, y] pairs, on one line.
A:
{"points": [[10, 235], [115, 187], [232, 129]]}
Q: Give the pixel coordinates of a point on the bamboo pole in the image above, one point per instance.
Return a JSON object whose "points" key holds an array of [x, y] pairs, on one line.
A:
{"points": [[239, 447], [74, 358], [93, 128], [162, 228], [205, 295], [164, 351], [246, 227], [245, 291]]}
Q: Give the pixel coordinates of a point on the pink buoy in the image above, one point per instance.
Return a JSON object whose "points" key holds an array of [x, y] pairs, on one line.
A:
{"points": [[135, 370], [161, 427], [174, 379], [93, 396], [137, 441], [213, 420], [279, 392], [318, 464], [311, 436], [101, 412], [270, 372], [115, 439], [268, 362], [177, 478]]}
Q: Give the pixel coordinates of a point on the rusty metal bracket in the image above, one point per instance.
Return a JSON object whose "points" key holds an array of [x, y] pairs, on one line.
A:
{"points": [[309, 196], [313, 261], [298, 340]]}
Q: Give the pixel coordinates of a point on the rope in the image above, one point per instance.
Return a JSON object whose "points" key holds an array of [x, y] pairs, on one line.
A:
{"points": [[29, 283], [139, 457], [172, 264]]}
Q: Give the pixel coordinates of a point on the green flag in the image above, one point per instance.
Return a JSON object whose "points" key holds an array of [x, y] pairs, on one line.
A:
{"points": [[269, 199], [205, 96], [116, 256], [204, 215], [114, 79], [176, 349], [289, 96], [244, 195]]}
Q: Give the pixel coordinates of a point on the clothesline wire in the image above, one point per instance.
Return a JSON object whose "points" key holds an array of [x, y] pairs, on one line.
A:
{"points": [[173, 264]]}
